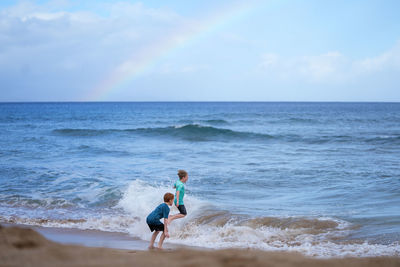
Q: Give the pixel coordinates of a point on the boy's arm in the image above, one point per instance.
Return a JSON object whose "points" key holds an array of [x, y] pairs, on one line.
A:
{"points": [[166, 227], [177, 198]]}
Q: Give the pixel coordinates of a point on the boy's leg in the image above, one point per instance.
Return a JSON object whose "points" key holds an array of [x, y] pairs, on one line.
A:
{"points": [[153, 238], [176, 216], [182, 213], [160, 243]]}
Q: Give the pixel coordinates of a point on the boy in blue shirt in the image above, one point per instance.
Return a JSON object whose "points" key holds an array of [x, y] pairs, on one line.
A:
{"points": [[180, 192], [153, 220]]}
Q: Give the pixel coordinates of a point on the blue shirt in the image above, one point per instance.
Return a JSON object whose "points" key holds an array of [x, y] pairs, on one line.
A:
{"points": [[162, 211]]}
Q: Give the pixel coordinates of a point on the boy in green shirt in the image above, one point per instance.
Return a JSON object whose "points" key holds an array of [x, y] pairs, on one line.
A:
{"points": [[180, 192]]}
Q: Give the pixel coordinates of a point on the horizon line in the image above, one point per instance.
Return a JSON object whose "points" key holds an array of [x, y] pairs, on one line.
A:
{"points": [[203, 101]]}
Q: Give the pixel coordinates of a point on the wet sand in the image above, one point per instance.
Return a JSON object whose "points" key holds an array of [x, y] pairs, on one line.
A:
{"points": [[95, 238], [26, 247]]}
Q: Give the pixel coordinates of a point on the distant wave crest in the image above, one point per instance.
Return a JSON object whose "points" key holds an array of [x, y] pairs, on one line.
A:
{"points": [[191, 132], [202, 133]]}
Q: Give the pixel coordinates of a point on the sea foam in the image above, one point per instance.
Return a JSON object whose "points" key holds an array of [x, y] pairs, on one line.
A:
{"points": [[209, 226]]}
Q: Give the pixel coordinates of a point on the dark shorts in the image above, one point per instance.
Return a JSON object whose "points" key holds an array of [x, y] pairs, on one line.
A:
{"points": [[156, 227], [182, 209]]}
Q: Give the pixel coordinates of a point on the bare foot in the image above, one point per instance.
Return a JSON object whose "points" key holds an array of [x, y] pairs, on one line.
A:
{"points": [[152, 247], [159, 248]]}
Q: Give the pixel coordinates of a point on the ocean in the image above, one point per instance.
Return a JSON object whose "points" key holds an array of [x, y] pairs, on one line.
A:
{"points": [[322, 179]]}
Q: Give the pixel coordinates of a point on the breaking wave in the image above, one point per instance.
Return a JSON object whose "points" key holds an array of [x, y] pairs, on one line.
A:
{"points": [[210, 227]]}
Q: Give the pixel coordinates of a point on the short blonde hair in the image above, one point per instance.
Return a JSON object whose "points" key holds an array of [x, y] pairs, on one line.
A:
{"points": [[182, 174]]}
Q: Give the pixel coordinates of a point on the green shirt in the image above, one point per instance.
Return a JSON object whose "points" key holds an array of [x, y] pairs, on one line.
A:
{"points": [[181, 188]]}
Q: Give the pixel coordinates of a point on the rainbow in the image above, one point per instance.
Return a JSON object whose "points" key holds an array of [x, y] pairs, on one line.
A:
{"points": [[142, 61]]}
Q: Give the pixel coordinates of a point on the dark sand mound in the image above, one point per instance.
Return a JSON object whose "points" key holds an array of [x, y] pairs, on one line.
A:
{"points": [[25, 247]]}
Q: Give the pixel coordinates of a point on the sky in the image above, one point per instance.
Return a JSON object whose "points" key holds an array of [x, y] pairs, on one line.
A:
{"points": [[169, 50]]}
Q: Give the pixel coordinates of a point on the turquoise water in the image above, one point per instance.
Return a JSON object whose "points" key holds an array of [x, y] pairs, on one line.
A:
{"points": [[319, 178]]}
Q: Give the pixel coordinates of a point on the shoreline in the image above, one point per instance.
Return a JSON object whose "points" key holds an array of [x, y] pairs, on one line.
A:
{"points": [[23, 246], [96, 238]]}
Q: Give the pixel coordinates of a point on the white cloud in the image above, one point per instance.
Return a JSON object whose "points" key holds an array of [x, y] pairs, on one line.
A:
{"points": [[138, 10], [170, 68], [58, 44], [330, 67], [269, 61], [387, 60]]}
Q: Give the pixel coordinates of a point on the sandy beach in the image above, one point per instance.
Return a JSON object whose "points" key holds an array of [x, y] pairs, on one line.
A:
{"points": [[26, 247]]}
